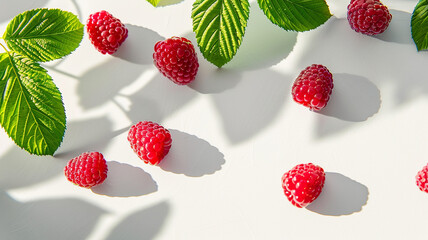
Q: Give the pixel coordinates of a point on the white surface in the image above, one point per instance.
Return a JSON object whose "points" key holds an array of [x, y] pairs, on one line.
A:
{"points": [[235, 131]]}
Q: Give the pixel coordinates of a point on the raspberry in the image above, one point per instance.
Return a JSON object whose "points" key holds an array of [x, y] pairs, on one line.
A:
{"points": [[422, 179], [150, 141], [87, 170], [176, 59], [369, 17], [313, 87], [303, 184], [106, 32]]}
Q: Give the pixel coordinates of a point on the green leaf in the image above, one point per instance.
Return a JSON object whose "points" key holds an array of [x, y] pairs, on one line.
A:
{"points": [[44, 34], [419, 24], [296, 15], [219, 26], [154, 2], [31, 107]]}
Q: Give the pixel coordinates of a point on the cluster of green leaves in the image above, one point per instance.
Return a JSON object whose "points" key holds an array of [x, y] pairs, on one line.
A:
{"points": [[419, 24], [220, 25], [31, 107]]}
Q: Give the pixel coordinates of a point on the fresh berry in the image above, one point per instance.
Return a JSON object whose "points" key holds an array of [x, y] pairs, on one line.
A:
{"points": [[313, 87], [150, 141], [422, 179], [87, 170], [303, 184], [176, 59], [369, 17], [106, 32]]}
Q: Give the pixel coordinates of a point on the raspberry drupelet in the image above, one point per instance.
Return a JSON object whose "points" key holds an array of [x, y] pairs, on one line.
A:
{"points": [[176, 59], [106, 32], [87, 170], [150, 141], [313, 87], [368, 17]]}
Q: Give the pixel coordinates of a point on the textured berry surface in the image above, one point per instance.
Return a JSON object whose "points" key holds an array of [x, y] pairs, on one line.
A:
{"points": [[106, 32], [176, 59], [303, 184], [313, 87], [87, 170], [369, 17], [150, 141], [422, 179]]}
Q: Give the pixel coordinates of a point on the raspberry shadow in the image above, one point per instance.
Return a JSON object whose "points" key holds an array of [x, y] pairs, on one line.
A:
{"points": [[191, 156], [124, 180], [340, 196], [354, 98], [138, 46]]}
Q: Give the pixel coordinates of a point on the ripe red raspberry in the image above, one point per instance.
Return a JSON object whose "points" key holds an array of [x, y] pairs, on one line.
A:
{"points": [[150, 141], [106, 32], [176, 59], [369, 17], [87, 170], [422, 179], [313, 87], [303, 184]]}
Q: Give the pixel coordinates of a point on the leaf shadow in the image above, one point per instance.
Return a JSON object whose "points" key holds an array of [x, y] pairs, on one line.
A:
{"points": [[87, 135], [19, 169], [143, 224], [125, 180], [16, 7], [213, 80], [264, 44], [111, 74], [191, 156], [65, 218], [254, 103], [340, 196], [138, 47], [158, 99]]}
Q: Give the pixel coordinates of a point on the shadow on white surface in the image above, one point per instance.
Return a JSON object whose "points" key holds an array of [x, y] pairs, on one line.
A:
{"points": [[142, 225], [114, 74], [253, 104], [158, 99], [62, 218], [264, 44], [139, 45], [394, 33], [191, 156], [212, 80], [340, 196], [18, 168], [12, 8], [87, 136], [125, 180], [353, 99]]}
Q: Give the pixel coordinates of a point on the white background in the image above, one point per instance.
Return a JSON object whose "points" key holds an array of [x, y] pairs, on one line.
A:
{"points": [[235, 131]]}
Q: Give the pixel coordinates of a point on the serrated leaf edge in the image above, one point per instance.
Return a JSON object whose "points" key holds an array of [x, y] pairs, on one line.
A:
{"points": [[47, 151], [226, 56]]}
